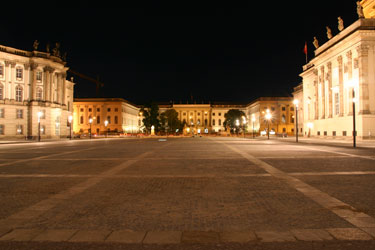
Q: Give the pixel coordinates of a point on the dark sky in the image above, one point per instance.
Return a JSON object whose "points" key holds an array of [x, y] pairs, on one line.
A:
{"points": [[172, 52]]}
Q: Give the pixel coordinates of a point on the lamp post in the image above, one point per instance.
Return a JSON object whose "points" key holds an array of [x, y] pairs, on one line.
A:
{"points": [[253, 120], [296, 104], [268, 117], [354, 128], [243, 125], [39, 116], [70, 119], [105, 125], [90, 121]]}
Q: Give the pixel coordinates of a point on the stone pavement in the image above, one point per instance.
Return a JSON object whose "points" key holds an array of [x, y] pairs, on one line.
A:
{"points": [[187, 192]]}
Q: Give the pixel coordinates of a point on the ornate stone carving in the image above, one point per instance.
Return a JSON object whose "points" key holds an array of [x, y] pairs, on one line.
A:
{"points": [[48, 69], [360, 10], [339, 60], [362, 50], [35, 45], [340, 24], [316, 42], [56, 50], [329, 32]]}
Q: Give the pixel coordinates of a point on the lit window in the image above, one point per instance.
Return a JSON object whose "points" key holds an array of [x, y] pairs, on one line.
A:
{"points": [[19, 94], [1, 92], [39, 76], [19, 113], [39, 93], [19, 129], [19, 73]]}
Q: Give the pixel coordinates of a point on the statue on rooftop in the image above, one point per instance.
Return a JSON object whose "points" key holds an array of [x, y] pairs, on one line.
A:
{"points": [[56, 50], [35, 45], [341, 24], [47, 47], [329, 32], [360, 10], [316, 43]]}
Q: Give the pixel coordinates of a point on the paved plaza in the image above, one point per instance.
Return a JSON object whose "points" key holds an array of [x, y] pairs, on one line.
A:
{"points": [[186, 193]]}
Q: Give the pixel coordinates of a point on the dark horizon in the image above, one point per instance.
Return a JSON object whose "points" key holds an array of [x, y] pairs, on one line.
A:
{"points": [[172, 53]]}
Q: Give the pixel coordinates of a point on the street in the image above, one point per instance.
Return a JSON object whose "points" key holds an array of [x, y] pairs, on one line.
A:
{"points": [[186, 193]]}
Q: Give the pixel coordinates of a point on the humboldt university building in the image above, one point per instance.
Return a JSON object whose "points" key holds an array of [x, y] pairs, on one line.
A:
{"points": [[34, 93]]}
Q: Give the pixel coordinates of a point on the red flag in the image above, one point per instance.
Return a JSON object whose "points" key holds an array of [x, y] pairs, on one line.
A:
{"points": [[305, 48]]}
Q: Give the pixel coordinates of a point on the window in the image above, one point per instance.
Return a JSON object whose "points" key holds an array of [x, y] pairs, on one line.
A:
{"points": [[318, 133], [199, 121], [333, 133], [205, 122], [184, 113], [19, 94], [98, 119], [283, 108], [219, 122], [39, 93], [109, 119], [19, 129], [337, 103], [291, 108], [283, 119], [19, 73], [291, 118], [116, 109], [1, 92], [90, 109], [1, 129], [272, 108], [108, 109], [284, 130], [81, 119], [343, 133], [199, 114], [213, 114], [219, 114], [81, 110], [19, 113], [325, 133], [98, 110], [116, 119], [213, 122], [1, 70], [39, 76], [1, 113]]}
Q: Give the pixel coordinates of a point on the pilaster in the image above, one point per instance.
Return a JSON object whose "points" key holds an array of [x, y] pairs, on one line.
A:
{"points": [[363, 95]]}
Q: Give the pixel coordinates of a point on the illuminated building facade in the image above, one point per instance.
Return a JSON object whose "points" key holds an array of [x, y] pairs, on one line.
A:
{"points": [[33, 83], [106, 114], [342, 72]]}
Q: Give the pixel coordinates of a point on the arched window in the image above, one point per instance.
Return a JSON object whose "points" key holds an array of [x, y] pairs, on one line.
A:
{"points": [[81, 119], [219, 122], [39, 93], [205, 122], [19, 94], [1, 91], [213, 122]]}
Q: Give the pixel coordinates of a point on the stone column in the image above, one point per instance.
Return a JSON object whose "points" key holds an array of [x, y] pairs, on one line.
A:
{"points": [[32, 81], [341, 85], [363, 95], [12, 77], [46, 81], [316, 111], [329, 79], [7, 80], [323, 85], [63, 95]]}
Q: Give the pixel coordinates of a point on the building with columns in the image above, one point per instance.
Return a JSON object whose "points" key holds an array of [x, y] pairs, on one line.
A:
{"points": [[209, 118], [107, 114], [31, 83], [342, 70]]}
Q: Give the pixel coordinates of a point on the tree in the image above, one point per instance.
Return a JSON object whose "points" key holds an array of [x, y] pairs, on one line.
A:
{"points": [[170, 122], [151, 117], [231, 118]]}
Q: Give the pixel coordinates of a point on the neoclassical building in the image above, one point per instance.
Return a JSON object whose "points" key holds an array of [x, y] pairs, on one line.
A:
{"points": [[33, 82], [209, 118], [106, 114], [342, 71]]}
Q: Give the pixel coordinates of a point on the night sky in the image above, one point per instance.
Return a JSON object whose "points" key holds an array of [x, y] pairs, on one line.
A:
{"points": [[217, 53]]}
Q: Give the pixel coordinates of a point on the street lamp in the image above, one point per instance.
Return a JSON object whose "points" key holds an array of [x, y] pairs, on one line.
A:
{"points": [[253, 120], [296, 104], [354, 128], [268, 118], [70, 119], [40, 113], [90, 121], [105, 125]]}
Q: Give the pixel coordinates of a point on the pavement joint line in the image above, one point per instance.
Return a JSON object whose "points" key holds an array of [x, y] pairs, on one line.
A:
{"points": [[35, 210], [339, 153], [102, 176], [311, 192], [180, 237]]}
